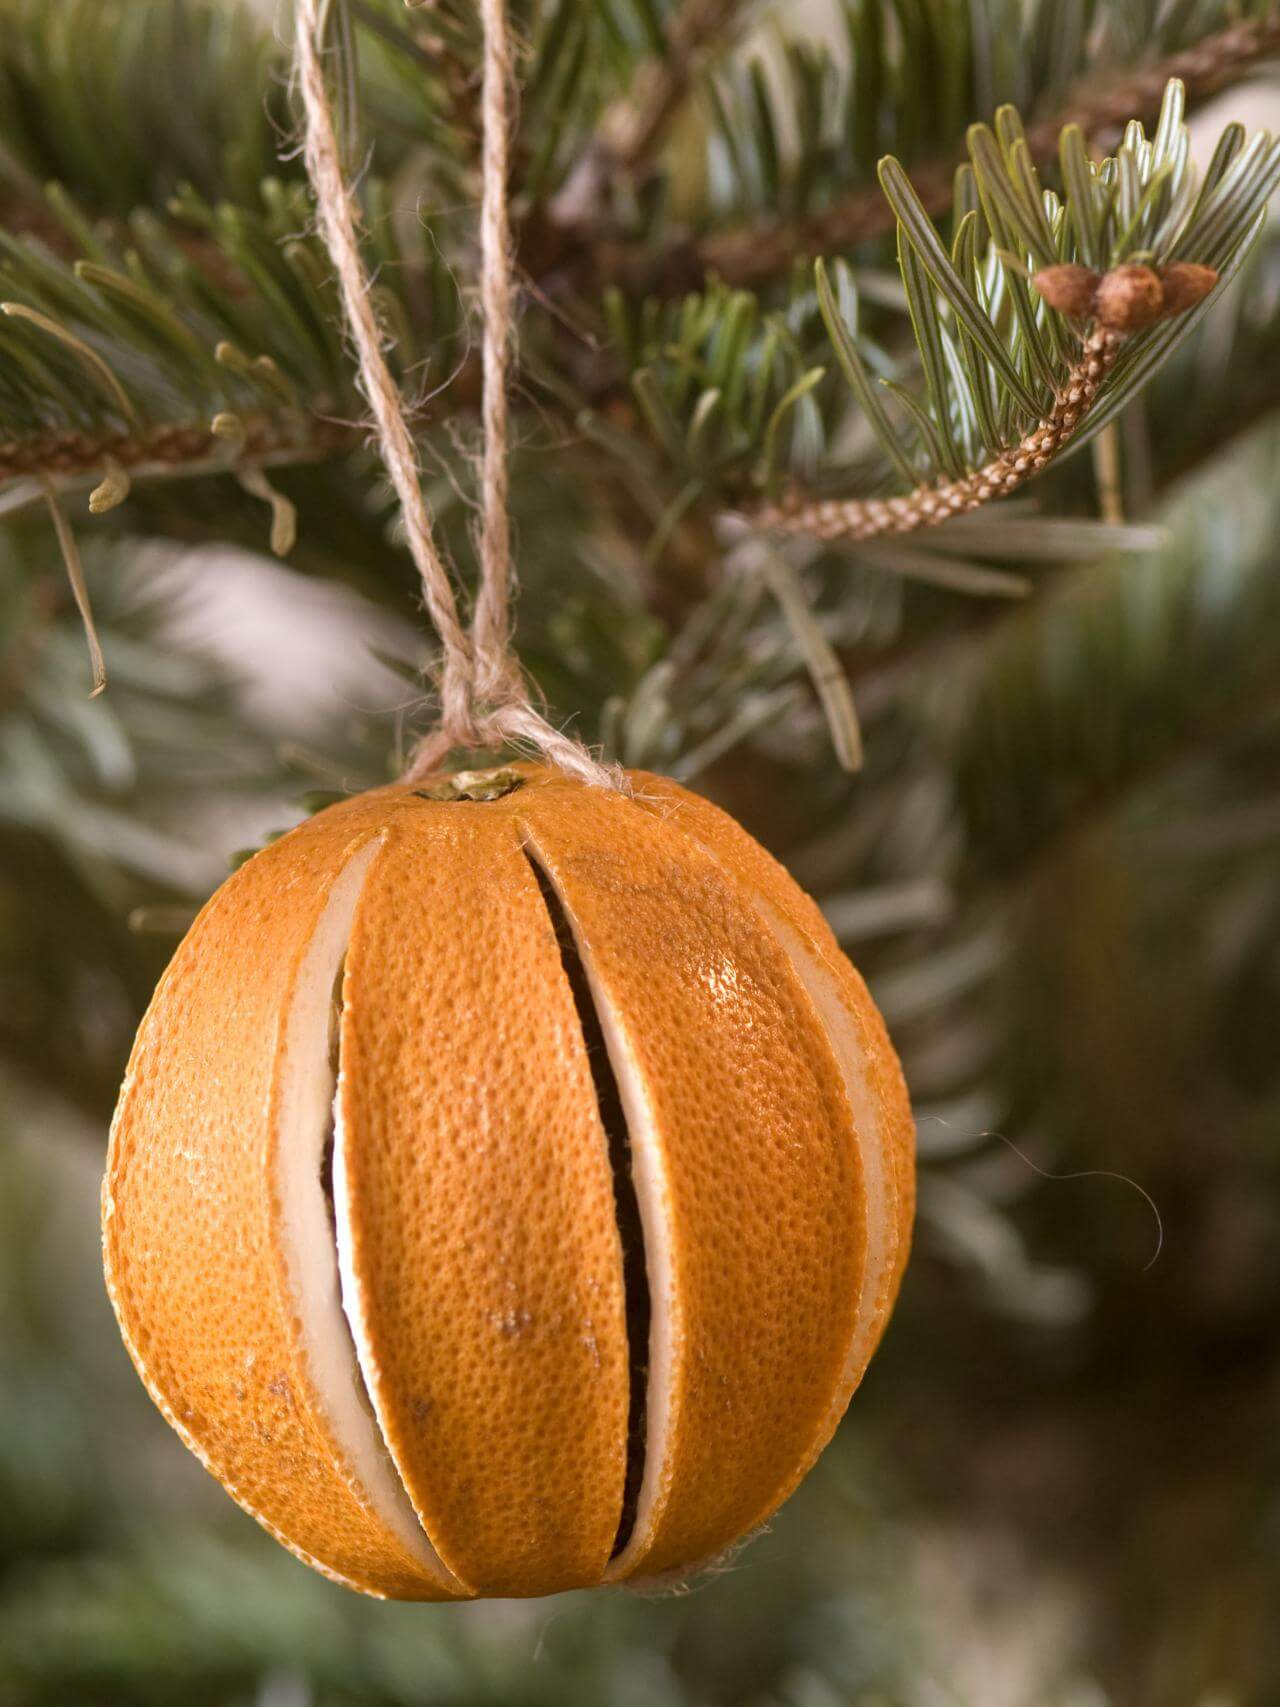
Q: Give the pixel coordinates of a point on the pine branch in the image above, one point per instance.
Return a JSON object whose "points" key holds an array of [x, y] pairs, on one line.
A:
{"points": [[118, 142], [929, 506], [171, 446], [739, 400], [1000, 377], [82, 102], [636, 124], [988, 352], [1228, 365], [759, 251], [557, 242], [144, 356]]}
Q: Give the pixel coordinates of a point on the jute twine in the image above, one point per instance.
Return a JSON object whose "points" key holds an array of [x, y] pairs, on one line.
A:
{"points": [[484, 695]]}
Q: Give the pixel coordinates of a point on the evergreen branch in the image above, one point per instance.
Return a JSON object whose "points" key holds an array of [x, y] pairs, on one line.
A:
{"points": [[988, 353], [194, 367], [82, 102], [1001, 378], [763, 248], [169, 446], [81, 106], [637, 122], [560, 240], [1228, 365], [740, 400], [930, 505]]}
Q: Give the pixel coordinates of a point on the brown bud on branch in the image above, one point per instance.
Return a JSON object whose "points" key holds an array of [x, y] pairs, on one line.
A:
{"points": [[1128, 298], [1185, 284], [1069, 288]]}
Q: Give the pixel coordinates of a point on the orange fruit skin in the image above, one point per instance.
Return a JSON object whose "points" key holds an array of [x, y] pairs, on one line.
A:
{"points": [[191, 1261], [762, 876], [483, 1205], [479, 1195], [760, 873]]}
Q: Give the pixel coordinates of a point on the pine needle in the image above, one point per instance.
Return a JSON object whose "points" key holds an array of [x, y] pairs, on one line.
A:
{"points": [[75, 575]]}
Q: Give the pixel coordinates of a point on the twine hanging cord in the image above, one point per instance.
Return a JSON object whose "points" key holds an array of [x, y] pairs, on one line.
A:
{"points": [[484, 697]]}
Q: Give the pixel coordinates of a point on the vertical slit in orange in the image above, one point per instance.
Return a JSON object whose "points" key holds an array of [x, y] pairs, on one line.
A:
{"points": [[635, 1279]]}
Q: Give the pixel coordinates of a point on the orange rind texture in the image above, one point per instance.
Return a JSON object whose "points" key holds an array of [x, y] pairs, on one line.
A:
{"points": [[546, 1252]]}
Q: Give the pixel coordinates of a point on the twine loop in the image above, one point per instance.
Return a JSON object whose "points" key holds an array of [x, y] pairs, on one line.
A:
{"points": [[484, 694]]}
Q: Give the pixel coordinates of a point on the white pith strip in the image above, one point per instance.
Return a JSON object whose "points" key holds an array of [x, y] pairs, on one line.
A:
{"points": [[653, 1199], [359, 1336], [330, 1340], [881, 1188]]}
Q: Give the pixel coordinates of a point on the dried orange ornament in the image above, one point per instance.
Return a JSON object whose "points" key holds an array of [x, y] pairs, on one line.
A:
{"points": [[510, 1184]]}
